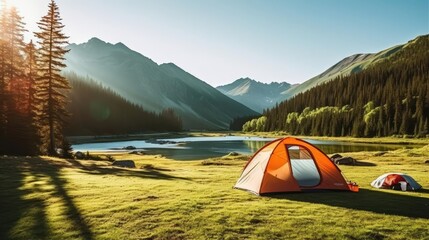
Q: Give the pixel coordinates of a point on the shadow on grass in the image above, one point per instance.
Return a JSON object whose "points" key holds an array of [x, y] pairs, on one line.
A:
{"points": [[152, 173], [71, 209], [365, 164], [27, 184], [359, 164], [422, 190], [383, 201], [24, 202], [12, 204]]}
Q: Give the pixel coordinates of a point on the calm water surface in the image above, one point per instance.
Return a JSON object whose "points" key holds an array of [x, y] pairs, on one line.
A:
{"points": [[193, 148]]}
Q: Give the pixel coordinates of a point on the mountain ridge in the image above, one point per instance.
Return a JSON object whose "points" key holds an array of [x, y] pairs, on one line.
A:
{"points": [[239, 89], [348, 65], [155, 87], [254, 94]]}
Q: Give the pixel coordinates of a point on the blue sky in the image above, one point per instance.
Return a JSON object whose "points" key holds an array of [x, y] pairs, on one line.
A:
{"points": [[220, 41]]}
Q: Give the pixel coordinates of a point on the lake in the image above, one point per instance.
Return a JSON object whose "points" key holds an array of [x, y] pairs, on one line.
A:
{"points": [[193, 148]]}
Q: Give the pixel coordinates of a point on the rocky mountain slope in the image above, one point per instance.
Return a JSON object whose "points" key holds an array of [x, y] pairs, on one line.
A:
{"points": [[256, 95], [345, 67], [154, 87]]}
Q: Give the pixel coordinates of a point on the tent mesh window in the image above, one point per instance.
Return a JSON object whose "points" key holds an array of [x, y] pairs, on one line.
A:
{"points": [[304, 169]]}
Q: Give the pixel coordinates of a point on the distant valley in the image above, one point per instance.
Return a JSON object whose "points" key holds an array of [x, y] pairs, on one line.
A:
{"points": [[155, 87]]}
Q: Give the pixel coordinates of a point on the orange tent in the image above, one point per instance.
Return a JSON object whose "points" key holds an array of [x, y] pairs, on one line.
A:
{"points": [[291, 165]]}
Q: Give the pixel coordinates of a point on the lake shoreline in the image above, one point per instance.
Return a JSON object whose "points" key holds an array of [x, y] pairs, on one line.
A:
{"points": [[162, 135], [192, 146]]}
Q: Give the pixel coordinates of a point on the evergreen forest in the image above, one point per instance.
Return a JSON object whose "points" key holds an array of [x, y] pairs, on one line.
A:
{"points": [[96, 110], [388, 98]]}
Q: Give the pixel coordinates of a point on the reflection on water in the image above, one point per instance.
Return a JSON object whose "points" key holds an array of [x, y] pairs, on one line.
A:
{"points": [[254, 145], [206, 149], [193, 148], [330, 147]]}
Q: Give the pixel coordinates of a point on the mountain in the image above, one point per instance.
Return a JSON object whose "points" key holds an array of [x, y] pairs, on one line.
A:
{"points": [[256, 95], [95, 110], [259, 96], [351, 64], [155, 87], [388, 96]]}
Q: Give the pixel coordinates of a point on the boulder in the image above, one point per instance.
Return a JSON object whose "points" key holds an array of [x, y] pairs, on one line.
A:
{"points": [[165, 142], [129, 148], [335, 156], [124, 163], [427, 161], [345, 161], [79, 155]]}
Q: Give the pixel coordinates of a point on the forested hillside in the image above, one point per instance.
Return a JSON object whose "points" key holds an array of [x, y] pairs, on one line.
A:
{"points": [[96, 110], [142, 81], [391, 97]]}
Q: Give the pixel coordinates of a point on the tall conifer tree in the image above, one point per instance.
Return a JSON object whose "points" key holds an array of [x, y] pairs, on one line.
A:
{"points": [[3, 50], [52, 87], [13, 84], [31, 75], [33, 104]]}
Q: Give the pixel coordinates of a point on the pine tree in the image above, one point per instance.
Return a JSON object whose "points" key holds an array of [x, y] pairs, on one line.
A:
{"points": [[13, 82], [31, 75], [3, 92], [52, 87], [17, 85], [15, 41], [33, 103]]}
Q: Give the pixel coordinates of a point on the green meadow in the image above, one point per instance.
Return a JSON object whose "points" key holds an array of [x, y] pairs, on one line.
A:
{"points": [[51, 198]]}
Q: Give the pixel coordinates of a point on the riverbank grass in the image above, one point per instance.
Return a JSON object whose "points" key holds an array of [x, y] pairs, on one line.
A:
{"points": [[50, 198]]}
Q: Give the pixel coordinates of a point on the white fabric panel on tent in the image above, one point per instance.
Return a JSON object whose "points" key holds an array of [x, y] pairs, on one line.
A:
{"points": [[377, 183], [305, 172], [254, 172]]}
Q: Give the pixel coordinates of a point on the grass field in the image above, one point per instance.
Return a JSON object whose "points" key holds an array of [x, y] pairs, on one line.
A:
{"points": [[50, 198]]}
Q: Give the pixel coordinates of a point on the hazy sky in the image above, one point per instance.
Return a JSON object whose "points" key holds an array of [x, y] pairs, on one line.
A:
{"points": [[220, 41]]}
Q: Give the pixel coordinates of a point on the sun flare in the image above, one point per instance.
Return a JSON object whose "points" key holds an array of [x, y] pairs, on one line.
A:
{"points": [[31, 11]]}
